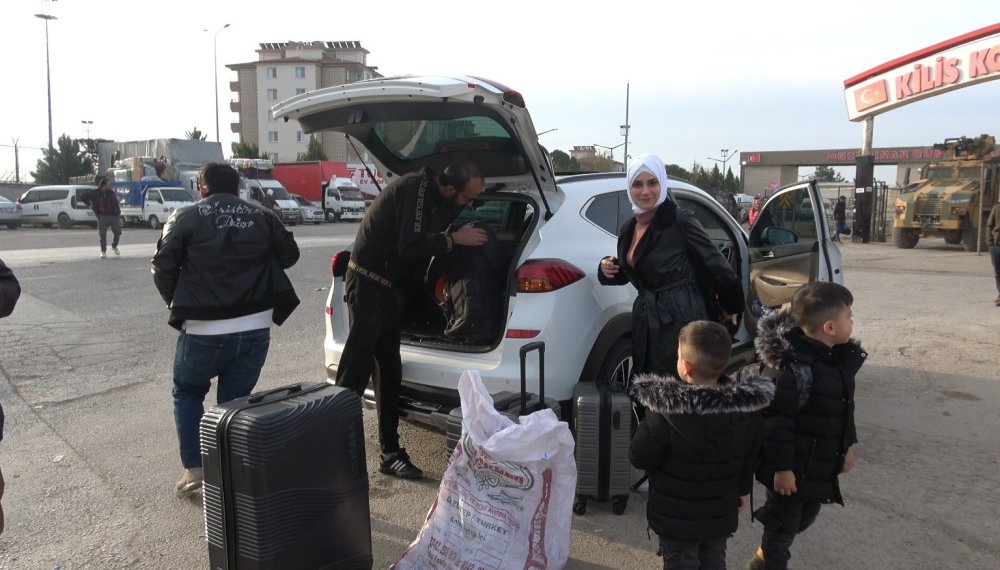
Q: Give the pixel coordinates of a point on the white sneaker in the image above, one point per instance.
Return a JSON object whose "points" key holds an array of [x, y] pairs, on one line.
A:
{"points": [[114, 248], [104, 255]]}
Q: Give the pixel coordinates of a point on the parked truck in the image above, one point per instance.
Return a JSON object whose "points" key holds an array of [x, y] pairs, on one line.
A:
{"points": [[325, 182], [149, 202], [184, 159], [257, 180], [953, 198]]}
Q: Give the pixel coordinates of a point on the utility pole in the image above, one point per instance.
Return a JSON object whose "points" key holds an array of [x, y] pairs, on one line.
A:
{"points": [[626, 127], [215, 69], [48, 68], [17, 164]]}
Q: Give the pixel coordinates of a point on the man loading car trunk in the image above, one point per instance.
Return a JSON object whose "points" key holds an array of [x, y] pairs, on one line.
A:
{"points": [[406, 223]]}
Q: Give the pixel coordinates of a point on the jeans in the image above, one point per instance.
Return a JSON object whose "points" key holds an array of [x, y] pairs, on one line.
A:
{"points": [[702, 555], [783, 518], [236, 359], [995, 255], [103, 222]]}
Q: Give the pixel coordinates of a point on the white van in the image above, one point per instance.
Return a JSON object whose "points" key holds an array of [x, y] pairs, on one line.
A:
{"points": [[343, 200], [253, 189], [58, 204]]}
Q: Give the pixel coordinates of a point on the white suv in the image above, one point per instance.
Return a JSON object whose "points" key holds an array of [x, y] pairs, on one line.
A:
{"points": [[552, 233]]}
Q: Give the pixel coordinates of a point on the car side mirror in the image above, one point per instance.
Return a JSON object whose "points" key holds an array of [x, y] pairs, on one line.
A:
{"points": [[778, 236]]}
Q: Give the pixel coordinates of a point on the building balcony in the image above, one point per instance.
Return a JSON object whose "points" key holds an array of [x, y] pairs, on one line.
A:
{"points": [[234, 86], [234, 106], [235, 127]]}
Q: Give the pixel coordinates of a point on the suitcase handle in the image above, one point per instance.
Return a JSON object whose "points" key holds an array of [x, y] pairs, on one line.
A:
{"points": [[256, 398], [540, 347]]}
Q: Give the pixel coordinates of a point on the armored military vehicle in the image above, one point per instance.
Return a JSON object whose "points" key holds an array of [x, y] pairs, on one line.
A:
{"points": [[953, 197]]}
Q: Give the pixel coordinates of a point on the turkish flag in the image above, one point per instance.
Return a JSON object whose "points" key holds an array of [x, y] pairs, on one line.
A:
{"points": [[754, 158], [870, 95]]}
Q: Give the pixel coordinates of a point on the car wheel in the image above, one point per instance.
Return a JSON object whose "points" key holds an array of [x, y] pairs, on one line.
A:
{"points": [[905, 238], [331, 216], [154, 222], [64, 222], [970, 237], [13, 226], [616, 370]]}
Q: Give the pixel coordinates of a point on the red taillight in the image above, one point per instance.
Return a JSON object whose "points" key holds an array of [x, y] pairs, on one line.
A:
{"points": [[338, 263], [544, 275], [522, 333]]}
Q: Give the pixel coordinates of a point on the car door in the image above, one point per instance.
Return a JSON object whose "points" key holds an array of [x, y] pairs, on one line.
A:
{"points": [[789, 247]]}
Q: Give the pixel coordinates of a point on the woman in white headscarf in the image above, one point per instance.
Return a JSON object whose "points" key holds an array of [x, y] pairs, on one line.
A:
{"points": [[666, 254]]}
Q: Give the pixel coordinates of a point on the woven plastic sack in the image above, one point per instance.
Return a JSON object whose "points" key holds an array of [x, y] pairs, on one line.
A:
{"points": [[505, 501]]}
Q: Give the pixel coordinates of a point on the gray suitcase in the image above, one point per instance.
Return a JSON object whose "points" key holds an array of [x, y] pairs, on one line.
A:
{"points": [[602, 425], [511, 404]]}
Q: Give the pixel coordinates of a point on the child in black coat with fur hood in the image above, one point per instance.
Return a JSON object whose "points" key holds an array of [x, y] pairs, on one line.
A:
{"points": [[698, 444], [809, 431]]}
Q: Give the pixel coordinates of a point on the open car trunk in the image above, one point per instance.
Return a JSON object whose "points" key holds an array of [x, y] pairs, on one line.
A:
{"points": [[460, 301]]}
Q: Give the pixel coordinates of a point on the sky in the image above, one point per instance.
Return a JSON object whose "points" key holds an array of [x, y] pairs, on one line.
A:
{"points": [[700, 76]]}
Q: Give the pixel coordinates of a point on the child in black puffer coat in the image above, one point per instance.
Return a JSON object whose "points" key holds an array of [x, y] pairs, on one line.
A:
{"points": [[699, 444], [809, 428]]}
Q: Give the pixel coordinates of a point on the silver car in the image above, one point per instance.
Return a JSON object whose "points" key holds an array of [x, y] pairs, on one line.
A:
{"points": [[311, 213], [10, 213]]}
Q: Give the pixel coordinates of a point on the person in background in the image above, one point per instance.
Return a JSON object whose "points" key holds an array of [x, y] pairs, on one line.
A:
{"points": [[993, 240], [661, 250], [270, 203], [104, 202], [754, 210], [407, 223], [840, 217], [10, 291], [220, 267]]}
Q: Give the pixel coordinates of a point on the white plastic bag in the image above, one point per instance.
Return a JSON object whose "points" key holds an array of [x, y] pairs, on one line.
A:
{"points": [[506, 499]]}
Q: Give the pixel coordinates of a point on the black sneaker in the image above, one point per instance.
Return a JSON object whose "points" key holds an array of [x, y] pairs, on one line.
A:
{"points": [[398, 464]]}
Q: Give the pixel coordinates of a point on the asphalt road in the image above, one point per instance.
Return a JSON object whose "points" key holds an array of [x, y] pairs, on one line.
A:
{"points": [[89, 451]]}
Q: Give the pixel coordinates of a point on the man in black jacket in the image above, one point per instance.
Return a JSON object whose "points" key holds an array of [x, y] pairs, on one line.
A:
{"points": [[220, 266], [406, 223], [10, 291], [104, 203]]}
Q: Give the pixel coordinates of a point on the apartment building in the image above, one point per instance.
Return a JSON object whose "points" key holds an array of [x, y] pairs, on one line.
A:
{"points": [[284, 70]]}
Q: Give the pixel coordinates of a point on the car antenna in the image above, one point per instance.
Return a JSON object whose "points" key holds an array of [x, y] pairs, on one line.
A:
{"points": [[363, 163]]}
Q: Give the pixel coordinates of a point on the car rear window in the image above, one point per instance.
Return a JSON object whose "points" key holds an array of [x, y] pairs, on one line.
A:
{"points": [[408, 140]]}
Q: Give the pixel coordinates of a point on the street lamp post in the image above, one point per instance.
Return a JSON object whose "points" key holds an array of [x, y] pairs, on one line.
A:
{"points": [[611, 151], [726, 155], [626, 127], [48, 69], [215, 69], [548, 131]]}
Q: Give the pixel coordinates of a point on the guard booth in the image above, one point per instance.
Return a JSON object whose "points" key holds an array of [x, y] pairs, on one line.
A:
{"points": [[871, 208]]}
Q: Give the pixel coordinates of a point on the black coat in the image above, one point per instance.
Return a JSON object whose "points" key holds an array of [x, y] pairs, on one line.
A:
{"points": [[840, 211], [222, 258], [699, 445], [10, 290], [810, 440], [403, 228], [676, 267]]}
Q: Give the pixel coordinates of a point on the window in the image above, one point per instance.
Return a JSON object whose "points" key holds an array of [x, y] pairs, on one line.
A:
{"points": [[603, 211], [300, 73], [272, 136], [300, 136], [272, 94], [787, 218], [270, 115], [272, 72], [274, 157], [300, 90], [153, 196]]}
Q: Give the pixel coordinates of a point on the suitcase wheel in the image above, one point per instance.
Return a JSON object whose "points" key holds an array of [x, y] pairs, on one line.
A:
{"points": [[619, 504], [580, 506]]}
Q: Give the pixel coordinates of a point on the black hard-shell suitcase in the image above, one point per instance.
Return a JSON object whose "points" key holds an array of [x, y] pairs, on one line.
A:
{"points": [[286, 483], [602, 424], [511, 404]]}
